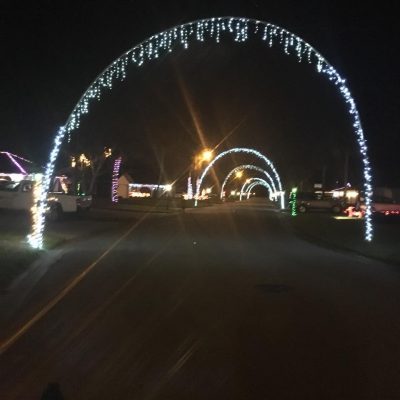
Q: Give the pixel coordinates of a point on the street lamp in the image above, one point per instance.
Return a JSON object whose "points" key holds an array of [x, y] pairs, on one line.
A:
{"points": [[206, 155], [239, 174]]}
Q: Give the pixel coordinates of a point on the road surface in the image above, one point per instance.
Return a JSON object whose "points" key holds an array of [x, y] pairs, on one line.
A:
{"points": [[215, 303]]}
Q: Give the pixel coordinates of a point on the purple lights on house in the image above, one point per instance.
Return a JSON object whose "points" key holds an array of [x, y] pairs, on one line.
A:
{"points": [[12, 158], [114, 183]]}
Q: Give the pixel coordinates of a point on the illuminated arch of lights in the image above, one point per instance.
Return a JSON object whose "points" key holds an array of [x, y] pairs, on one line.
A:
{"points": [[240, 29], [253, 185], [243, 168], [243, 150], [250, 182]]}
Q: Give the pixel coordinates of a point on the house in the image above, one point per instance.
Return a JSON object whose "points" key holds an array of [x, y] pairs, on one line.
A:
{"points": [[126, 188], [15, 168], [123, 185]]}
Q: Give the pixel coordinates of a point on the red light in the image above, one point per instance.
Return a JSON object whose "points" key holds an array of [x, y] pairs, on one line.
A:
{"points": [[390, 212]]}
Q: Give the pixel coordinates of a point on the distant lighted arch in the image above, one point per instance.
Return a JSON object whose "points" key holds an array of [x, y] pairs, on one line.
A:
{"points": [[243, 150], [255, 184], [251, 181], [243, 168], [240, 29]]}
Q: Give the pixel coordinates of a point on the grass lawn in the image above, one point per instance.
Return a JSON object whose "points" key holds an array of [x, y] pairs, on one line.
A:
{"points": [[16, 255], [15, 258], [348, 234]]}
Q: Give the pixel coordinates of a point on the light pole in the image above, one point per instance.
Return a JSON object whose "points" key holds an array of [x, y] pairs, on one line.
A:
{"points": [[206, 155], [238, 175]]}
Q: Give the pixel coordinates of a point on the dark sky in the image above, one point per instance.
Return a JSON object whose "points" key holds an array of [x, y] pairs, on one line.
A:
{"points": [[53, 50]]}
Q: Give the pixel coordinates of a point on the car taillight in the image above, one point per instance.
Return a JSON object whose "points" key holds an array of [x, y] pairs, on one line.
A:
{"points": [[391, 212]]}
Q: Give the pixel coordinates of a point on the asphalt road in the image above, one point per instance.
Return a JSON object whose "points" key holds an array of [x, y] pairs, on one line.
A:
{"points": [[216, 303]]}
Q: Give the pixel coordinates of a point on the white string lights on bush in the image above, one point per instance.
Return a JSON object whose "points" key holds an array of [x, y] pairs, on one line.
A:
{"points": [[243, 150], [252, 168], [206, 30]]}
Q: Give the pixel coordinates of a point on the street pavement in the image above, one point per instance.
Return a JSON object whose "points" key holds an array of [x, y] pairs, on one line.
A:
{"points": [[223, 302]]}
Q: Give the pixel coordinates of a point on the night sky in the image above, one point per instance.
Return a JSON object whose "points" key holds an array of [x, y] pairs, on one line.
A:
{"points": [[247, 93]]}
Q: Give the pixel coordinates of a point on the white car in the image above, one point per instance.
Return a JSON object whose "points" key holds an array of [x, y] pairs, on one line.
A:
{"points": [[19, 196]]}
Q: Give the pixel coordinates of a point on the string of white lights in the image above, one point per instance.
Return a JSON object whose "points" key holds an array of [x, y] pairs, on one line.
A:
{"points": [[12, 157], [243, 168], [249, 182], [16, 156], [240, 29], [243, 150], [253, 185]]}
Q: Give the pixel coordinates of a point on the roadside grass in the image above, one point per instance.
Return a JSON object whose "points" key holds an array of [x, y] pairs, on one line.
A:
{"points": [[16, 255], [348, 234]]}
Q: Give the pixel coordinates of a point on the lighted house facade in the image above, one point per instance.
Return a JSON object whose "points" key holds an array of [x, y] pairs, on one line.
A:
{"points": [[123, 186], [128, 189]]}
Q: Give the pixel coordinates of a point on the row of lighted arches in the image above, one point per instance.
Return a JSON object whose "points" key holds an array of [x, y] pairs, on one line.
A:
{"points": [[271, 179], [201, 31], [268, 181], [270, 172]]}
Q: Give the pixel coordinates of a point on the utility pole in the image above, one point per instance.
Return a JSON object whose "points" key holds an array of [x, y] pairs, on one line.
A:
{"points": [[346, 168], [323, 177]]}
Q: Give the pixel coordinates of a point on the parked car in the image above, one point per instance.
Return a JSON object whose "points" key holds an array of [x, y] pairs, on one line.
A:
{"points": [[19, 196], [307, 201], [384, 206]]}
